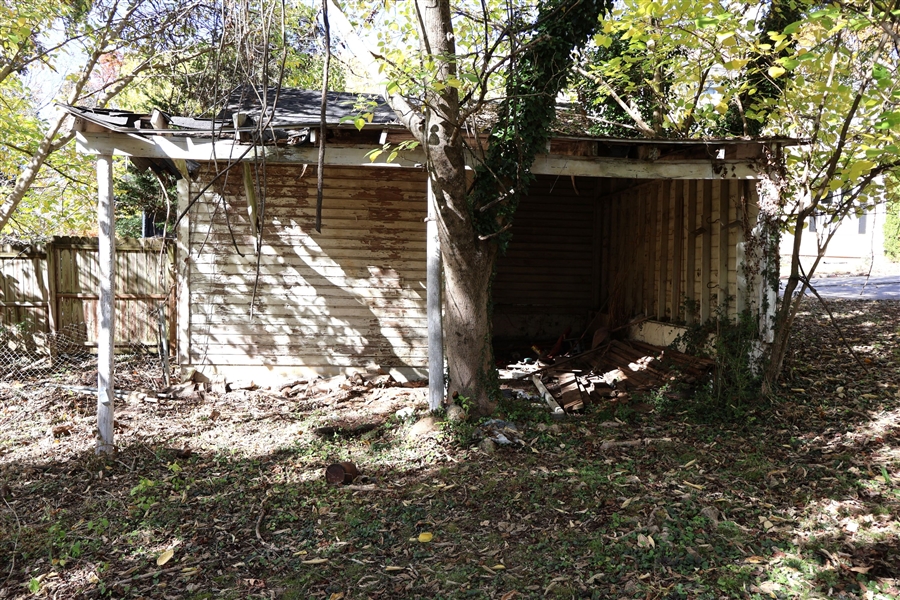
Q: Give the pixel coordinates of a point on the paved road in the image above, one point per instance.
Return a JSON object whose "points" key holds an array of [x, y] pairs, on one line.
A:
{"points": [[859, 288]]}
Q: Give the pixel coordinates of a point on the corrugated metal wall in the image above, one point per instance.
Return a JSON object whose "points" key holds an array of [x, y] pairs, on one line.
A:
{"points": [[350, 297]]}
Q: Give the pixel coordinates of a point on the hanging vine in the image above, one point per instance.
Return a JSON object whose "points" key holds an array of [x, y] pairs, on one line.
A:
{"points": [[522, 128]]}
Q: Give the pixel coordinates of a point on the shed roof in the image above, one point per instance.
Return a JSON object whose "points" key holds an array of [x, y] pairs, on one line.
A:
{"points": [[283, 128], [295, 109]]}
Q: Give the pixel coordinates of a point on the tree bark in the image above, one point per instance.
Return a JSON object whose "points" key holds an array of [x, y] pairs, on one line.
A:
{"points": [[468, 261]]}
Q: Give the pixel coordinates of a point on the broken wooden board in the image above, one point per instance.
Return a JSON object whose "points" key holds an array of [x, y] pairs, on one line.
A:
{"points": [[570, 396], [555, 408]]}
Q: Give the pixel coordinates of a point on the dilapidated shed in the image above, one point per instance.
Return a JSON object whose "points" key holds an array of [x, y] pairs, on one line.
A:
{"points": [[666, 231]]}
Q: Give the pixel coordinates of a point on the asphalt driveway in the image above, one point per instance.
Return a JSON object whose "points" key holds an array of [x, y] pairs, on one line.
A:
{"points": [[859, 288]]}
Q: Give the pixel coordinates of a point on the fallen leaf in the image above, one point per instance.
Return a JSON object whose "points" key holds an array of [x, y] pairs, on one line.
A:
{"points": [[165, 557], [336, 596], [498, 567], [425, 537], [509, 595], [392, 569], [314, 561], [862, 570], [62, 430]]}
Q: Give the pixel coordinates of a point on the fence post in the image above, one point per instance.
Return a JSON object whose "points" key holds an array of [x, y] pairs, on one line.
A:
{"points": [[107, 336], [52, 267]]}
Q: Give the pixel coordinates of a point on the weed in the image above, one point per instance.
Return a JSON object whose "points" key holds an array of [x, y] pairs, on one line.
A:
{"points": [[734, 389], [142, 493]]}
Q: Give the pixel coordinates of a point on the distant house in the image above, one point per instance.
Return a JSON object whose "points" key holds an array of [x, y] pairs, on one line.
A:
{"points": [[668, 231], [857, 245]]}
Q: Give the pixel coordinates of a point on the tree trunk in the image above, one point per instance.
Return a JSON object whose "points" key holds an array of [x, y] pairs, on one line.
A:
{"points": [[468, 262], [467, 321]]}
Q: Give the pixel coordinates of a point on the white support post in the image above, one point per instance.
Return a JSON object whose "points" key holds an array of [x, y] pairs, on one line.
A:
{"points": [[433, 306], [107, 336]]}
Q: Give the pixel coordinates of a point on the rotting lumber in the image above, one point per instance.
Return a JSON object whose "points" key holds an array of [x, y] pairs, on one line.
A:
{"points": [[208, 150], [555, 408]]}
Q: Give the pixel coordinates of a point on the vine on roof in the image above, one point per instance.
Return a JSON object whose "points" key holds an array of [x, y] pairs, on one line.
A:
{"points": [[521, 132]]}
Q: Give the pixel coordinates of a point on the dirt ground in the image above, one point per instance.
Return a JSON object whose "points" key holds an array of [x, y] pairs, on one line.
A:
{"points": [[224, 495]]}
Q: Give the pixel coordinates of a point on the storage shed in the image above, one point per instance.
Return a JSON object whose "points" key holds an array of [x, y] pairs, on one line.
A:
{"points": [[666, 232]]}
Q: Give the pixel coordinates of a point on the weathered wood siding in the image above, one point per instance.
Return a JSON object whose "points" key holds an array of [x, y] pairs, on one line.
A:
{"points": [[349, 298], [53, 288], [545, 281], [671, 249]]}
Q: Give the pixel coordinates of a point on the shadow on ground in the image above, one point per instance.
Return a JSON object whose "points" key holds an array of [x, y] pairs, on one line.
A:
{"points": [[798, 499]]}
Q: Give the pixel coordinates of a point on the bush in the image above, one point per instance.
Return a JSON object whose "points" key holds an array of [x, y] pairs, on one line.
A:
{"points": [[892, 232]]}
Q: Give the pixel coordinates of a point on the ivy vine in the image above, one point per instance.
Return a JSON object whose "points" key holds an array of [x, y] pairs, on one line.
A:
{"points": [[522, 128]]}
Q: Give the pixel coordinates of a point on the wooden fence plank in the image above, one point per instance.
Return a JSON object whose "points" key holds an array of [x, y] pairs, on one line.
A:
{"points": [[677, 249], [665, 200]]}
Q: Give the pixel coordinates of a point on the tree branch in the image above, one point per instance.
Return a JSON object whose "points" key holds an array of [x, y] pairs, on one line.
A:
{"points": [[642, 125]]}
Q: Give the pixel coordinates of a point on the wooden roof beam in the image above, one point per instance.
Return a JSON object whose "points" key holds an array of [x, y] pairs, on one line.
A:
{"points": [[205, 150]]}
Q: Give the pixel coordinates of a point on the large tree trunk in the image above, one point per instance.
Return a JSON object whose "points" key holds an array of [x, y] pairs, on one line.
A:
{"points": [[467, 321], [468, 261]]}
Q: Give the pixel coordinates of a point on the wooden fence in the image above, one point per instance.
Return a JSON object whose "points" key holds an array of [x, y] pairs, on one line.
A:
{"points": [[53, 288]]}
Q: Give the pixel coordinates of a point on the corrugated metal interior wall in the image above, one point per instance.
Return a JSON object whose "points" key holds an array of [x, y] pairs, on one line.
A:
{"points": [[350, 297], [625, 248]]}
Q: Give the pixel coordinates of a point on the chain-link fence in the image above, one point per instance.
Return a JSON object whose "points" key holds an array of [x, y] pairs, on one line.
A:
{"points": [[67, 357]]}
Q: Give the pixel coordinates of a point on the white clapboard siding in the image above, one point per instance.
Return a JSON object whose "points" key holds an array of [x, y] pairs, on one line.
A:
{"points": [[349, 298]]}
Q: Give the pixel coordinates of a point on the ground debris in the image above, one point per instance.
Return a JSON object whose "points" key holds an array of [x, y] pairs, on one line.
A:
{"points": [[796, 499]]}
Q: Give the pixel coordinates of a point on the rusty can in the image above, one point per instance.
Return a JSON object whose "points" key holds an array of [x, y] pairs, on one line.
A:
{"points": [[343, 472]]}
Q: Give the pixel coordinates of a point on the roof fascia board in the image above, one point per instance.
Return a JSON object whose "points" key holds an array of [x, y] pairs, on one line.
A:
{"points": [[205, 150]]}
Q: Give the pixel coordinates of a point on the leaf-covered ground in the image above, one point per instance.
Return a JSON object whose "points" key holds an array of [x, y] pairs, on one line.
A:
{"points": [[225, 496]]}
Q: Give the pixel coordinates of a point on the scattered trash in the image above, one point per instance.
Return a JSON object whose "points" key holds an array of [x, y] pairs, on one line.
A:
{"points": [[341, 473], [499, 432]]}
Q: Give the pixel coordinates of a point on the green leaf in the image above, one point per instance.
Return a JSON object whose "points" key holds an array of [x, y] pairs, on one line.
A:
{"points": [[604, 41], [859, 168], [706, 22], [880, 73], [792, 28], [776, 72], [359, 122]]}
